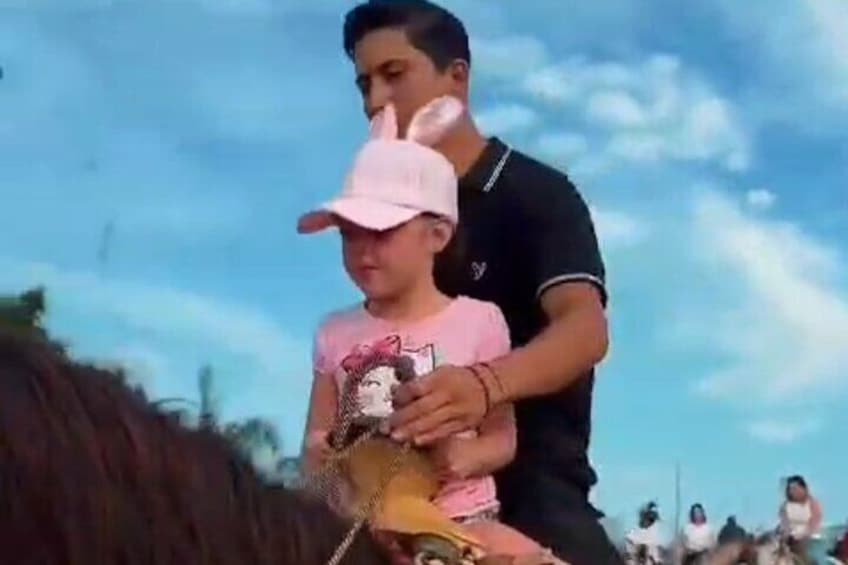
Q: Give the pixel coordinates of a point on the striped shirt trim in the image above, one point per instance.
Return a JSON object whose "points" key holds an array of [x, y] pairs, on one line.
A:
{"points": [[574, 277]]}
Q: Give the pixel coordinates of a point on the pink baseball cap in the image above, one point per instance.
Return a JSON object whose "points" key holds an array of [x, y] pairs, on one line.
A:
{"points": [[394, 180]]}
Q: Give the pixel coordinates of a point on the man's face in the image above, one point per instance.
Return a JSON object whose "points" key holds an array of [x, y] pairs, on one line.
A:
{"points": [[390, 70]]}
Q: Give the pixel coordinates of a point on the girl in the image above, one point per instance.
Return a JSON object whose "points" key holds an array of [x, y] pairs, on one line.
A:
{"points": [[396, 214], [801, 518], [644, 543], [698, 536]]}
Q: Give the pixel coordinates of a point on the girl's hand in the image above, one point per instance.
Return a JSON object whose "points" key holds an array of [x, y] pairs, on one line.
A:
{"points": [[455, 458], [317, 449]]}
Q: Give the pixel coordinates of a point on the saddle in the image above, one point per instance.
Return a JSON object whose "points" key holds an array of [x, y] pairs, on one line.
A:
{"points": [[406, 506]]}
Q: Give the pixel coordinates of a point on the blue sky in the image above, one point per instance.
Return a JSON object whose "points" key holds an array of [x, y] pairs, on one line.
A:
{"points": [[709, 140]]}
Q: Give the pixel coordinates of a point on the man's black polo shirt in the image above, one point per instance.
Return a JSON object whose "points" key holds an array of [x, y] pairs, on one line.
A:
{"points": [[525, 228]]}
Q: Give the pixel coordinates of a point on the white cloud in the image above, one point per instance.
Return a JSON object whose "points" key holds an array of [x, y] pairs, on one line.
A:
{"points": [[703, 130], [571, 152], [563, 143], [505, 118], [760, 198], [650, 110], [645, 146], [167, 312], [782, 431], [831, 20], [550, 84], [142, 363], [786, 330], [709, 131], [188, 328], [506, 57], [616, 109], [683, 119], [618, 229], [806, 86]]}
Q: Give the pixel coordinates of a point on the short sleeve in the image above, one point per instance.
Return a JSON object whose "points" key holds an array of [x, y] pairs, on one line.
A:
{"points": [[494, 334], [321, 360], [563, 243]]}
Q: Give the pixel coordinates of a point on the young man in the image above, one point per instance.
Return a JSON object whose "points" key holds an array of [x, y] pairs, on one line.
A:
{"points": [[531, 248]]}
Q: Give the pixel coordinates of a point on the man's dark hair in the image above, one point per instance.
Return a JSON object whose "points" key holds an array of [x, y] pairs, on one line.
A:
{"points": [[430, 28]]}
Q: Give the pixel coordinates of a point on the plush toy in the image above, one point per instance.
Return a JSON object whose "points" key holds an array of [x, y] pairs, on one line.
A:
{"points": [[393, 483]]}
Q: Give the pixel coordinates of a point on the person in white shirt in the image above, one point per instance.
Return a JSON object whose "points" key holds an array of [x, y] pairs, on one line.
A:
{"points": [[800, 520], [698, 535], [644, 544]]}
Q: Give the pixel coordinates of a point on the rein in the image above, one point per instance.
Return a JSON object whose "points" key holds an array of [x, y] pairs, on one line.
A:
{"points": [[320, 480]]}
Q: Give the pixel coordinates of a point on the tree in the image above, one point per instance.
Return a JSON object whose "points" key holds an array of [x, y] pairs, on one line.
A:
{"points": [[24, 311], [256, 438], [207, 416], [253, 434]]}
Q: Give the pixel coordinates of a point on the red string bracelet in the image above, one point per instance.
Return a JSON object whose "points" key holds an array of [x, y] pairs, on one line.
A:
{"points": [[497, 377], [476, 373]]}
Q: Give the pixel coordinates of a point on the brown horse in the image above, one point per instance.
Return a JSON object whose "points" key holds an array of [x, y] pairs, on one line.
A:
{"points": [[91, 473]]}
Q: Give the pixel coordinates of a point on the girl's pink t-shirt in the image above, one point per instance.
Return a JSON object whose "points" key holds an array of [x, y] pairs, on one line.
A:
{"points": [[467, 331]]}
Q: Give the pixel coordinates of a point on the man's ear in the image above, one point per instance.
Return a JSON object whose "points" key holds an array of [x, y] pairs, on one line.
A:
{"points": [[460, 72]]}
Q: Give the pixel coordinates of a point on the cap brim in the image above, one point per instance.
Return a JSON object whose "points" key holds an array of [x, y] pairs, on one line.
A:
{"points": [[366, 213]]}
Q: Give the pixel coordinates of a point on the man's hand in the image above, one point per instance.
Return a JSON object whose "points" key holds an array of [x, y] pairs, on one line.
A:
{"points": [[437, 405]]}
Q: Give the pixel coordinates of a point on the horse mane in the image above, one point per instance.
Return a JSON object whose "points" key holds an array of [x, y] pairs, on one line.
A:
{"points": [[91, 472]]}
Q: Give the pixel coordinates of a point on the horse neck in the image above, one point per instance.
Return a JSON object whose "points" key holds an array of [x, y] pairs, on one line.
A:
{"points": [[767, 554]]}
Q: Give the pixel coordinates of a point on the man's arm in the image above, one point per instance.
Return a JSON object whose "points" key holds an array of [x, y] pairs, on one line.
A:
{"points": [[567, 270], [575, 340], [564, 265]]}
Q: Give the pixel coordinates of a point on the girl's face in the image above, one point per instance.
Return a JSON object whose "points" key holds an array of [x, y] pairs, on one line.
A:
{"points": [[797, 493], [388, 263], [698, 516]]}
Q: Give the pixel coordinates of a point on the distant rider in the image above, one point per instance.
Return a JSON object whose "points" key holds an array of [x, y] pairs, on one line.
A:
{"points": [[643, 544]]}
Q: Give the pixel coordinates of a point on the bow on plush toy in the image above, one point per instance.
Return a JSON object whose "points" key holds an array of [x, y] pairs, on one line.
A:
{"points": [[406, 506], [386, 347]]}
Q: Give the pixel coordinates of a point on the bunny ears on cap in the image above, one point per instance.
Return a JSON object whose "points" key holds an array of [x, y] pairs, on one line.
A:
{"points": [[394, 180], [428, 125]]}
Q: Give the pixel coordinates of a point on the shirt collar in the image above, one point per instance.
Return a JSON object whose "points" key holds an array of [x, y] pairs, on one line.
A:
{"points": [[481, 171]]}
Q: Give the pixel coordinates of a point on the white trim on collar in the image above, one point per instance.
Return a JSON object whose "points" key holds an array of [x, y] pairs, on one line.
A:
{"points": [[496, 172]]}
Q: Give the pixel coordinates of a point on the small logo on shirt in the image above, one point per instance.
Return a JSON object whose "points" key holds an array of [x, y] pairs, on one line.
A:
{"points": [[478, 269]]}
